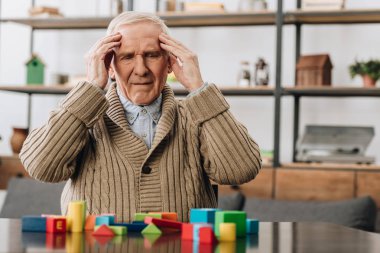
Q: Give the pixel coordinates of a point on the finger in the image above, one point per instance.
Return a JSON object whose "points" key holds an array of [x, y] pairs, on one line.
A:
{"points": [[172, 42], [107, 39], [103, 50], [179, 53]]}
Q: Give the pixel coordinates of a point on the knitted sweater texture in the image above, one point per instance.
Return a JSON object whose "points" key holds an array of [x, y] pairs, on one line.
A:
{"points": [[88, 143]]}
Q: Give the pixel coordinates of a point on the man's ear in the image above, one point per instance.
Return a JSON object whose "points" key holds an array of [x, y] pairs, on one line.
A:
{"points": [[170, 69], [111, 73]]}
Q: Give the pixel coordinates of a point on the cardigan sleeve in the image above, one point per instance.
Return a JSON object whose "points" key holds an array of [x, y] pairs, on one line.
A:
{"points": [[50, 152], [229, 154]]}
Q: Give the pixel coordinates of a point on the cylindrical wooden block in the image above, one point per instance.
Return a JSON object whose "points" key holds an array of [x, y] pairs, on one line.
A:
{"points": [[227, 232], [75, 211]]}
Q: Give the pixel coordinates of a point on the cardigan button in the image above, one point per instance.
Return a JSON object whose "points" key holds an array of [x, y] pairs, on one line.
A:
{"points": [[146, 169]]}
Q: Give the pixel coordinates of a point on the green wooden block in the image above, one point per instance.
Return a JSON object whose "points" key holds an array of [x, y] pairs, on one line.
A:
{"points": [[151, 229], [118, 230], [237, 217], [141, 216]]}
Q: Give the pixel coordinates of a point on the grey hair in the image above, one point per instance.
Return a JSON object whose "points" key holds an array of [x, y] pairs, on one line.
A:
{"points": [[133, 17]]}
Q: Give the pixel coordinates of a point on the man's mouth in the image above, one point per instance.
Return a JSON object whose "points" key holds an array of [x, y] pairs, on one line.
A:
{"points": [[142, 83]]}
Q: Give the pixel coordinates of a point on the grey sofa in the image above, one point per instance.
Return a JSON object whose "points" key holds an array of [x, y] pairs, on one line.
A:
{"points": [[360, 213]]}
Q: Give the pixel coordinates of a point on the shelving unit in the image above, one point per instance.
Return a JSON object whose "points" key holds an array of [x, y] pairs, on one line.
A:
{"points": [[353, 176]]}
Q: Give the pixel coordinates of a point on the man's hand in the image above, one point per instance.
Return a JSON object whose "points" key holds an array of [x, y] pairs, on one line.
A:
{"points": [[99, 59], [183, 61]]}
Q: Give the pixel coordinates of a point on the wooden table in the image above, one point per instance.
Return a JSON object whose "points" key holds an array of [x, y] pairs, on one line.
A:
{"points": [[275, 237]]}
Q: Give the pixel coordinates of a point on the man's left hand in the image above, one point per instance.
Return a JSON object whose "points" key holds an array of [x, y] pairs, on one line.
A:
{"points": [[183, 61]]}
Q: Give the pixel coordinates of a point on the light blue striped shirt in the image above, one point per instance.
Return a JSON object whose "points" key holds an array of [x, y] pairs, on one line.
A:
{"points": [[143, 120]]}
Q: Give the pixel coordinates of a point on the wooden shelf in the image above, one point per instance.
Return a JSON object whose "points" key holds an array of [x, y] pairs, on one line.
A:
{"points": [[353, 16], [173, 19], [330, 166], [332, 91], [188, 19], [62, 90]]}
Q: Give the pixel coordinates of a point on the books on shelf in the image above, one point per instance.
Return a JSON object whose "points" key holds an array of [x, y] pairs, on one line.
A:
{"points": [[323, 4], [195, 6]]}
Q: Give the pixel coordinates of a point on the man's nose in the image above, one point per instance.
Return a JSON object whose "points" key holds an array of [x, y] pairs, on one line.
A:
{"points": [[140, 67]]}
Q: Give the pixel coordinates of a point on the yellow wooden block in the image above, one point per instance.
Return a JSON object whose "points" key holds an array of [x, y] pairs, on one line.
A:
{"points": [[227, 232], [76, 212]]}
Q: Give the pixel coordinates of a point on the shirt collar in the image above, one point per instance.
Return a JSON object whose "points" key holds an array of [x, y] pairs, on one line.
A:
{"points": [[132, 110]]}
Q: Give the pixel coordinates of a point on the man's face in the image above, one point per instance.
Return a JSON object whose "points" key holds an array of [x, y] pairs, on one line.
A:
{"points": [[140, 66]]}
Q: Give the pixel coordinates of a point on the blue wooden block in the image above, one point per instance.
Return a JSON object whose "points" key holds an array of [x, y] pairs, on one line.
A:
{"points": [[132, 227], [203, 215], [196, 228], [33, 223], [252, 226], [108, 220]]}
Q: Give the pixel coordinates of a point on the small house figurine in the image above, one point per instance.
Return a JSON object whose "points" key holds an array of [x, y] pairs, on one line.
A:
{"points": [[35, 70], [314, 70]]}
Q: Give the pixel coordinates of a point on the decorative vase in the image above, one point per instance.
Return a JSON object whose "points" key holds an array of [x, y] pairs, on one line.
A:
{"points": [[368, 81], [17, 139]]}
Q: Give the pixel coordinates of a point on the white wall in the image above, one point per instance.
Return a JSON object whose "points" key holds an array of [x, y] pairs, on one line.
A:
{"points": [[220, 50]]}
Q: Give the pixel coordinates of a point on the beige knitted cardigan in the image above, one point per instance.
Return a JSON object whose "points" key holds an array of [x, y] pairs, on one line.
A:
{"points": [[88, 142]]}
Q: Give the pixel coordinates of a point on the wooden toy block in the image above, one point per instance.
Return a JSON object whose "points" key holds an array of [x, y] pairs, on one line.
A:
{"points": [[187, 231], [237, 217], [76, 211], [132, 227], [117, 230], [187, 246], [105, 220], [206, 235], [150, 239], [151, 229], [166, 215], [226, 247], [203, 215], [102, 240], [227, 232], [55, 241], [252, 226], [103, 230], [206, 248], [163, 223], [90, 222], [55, 225], [197, 227], [32, 223], [141, 216]]}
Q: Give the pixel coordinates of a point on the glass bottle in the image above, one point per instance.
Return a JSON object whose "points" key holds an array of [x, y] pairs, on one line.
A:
{"points": [[244, 75]]}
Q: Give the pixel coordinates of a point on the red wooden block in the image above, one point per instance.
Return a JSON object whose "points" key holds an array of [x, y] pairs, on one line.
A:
{"points": [[161, 223], [55, 241], [103, 230], [187, 231], [187, 246], [207, 236], [55, 225]]}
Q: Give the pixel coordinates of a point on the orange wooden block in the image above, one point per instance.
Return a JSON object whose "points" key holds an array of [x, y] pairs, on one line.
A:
{"points": [[168, 215], [55, 225], [90, 222], [103, 230]]}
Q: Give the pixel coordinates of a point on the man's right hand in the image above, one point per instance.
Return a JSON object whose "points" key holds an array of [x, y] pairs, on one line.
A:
{"points": [[99, 59]]}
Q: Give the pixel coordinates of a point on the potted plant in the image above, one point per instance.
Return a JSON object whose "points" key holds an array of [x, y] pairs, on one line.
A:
{"points": [[369, 70]]}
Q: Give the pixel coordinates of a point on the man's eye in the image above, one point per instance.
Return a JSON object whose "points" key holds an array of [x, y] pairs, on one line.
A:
{"points": [[153, 55], [127, 57]]}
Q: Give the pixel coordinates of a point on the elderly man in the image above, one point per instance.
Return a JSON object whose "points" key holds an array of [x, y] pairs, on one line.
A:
{"points": [[136, 148]]}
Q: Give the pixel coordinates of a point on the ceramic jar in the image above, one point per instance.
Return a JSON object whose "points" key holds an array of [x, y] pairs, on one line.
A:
{"points": [[17, 139]]}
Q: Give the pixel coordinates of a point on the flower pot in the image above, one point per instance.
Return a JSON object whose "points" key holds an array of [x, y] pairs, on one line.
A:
{"points": [[17, 139], [368, 81]]}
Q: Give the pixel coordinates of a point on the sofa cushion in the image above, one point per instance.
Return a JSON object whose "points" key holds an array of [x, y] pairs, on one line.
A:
{"points": [[356, 213], [26, 196]]}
